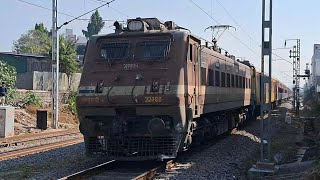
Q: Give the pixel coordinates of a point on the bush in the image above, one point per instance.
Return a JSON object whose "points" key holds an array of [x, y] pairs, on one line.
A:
{"points": [[12, 96], [33, 99], [8, 74], [72, 102]]}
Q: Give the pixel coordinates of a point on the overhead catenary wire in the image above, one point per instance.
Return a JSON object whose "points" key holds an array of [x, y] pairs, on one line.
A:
{"points": [[62, 13], [107, 3], [120, 12], [227, 31], [240, 27]]}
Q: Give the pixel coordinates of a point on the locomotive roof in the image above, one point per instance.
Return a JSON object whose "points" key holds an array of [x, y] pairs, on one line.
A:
{"points": [[175, 33]]}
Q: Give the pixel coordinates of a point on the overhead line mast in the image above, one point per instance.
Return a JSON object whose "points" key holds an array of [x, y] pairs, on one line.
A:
{"points": [[55, 65], [266, 54]]}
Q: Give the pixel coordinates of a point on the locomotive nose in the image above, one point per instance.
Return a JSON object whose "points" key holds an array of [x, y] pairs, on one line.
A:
{"points": [[156, 126]]}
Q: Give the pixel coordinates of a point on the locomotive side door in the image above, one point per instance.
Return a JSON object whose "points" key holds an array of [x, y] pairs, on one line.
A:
{"points": [[193, 71]]}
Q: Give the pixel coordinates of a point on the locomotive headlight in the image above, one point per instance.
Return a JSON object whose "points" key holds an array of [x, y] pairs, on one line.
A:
{"points": [[135, 25], [156, 126]]}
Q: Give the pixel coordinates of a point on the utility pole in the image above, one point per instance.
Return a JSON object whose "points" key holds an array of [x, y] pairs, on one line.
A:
{"points": [[266, 54], [55, 65]]}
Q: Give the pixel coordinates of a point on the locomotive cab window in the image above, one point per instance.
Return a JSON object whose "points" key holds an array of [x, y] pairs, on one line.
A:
{"points": [[114, 50], [152, 49]]}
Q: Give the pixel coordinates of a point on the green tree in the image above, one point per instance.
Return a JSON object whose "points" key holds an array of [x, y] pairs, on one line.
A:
{"points": [[35, 41], [68, 56], [38, 41], [94, 26], [41, 27]]}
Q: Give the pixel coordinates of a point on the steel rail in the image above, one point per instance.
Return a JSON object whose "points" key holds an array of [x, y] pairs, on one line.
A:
{"points": [[88, 172], [37, 149], [8, 142], [113, 168]]}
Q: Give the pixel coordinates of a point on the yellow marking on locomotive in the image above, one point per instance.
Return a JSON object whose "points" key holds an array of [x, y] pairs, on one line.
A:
{"points": [[152, 99]]}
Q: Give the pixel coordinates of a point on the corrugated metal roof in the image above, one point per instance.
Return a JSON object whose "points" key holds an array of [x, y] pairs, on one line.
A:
{"points": [[23, 54]]}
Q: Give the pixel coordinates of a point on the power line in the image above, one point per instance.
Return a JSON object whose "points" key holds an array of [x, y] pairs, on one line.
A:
{"points": [[227, 31], [103, 1], [107, 3], [237, 22], [240, 27], [62, 13]]}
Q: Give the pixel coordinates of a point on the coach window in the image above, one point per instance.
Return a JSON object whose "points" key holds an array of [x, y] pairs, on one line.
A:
{"points": [[203, 76], [223, 79], [232, 80], [210, 78], [217, 78], [228, 80], [237, 81], [240, 82]]}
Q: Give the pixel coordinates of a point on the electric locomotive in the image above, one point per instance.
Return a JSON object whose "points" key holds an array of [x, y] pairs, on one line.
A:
{"points": [[152, 89]]}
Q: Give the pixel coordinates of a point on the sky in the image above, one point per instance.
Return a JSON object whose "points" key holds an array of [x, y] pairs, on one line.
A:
{"points": [[292, 19]]}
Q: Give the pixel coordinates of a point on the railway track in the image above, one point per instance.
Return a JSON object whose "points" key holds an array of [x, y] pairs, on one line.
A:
{"points": [[39, 148], [20, 140], [121, 171], [24, 145]]}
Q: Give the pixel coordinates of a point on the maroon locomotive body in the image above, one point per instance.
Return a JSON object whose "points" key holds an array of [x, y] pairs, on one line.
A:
{"points": [[151, 90]]}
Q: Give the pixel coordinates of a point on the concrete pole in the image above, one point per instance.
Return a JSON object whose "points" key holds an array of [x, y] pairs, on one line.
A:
{"points": [[55, 65], [266, 54]]}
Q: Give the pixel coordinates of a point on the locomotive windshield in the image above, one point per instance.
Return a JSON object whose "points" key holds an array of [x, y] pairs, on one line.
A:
{"points": [[136, 49], [152, 49], [115, 50]]}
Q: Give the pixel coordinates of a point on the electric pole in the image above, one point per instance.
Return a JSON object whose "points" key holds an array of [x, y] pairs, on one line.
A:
{"points": [[266, 54], [55, 65], [295, 55]]}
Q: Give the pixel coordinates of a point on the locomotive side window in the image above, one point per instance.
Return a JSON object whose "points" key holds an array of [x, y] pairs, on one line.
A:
{"points": [[228, 80], [114, 50], [237, 81], [217, 78], [243, 82], [210, 74], [191, 52], [247, 83], [203, 76], [232, 80], [152, 49], [223, 79]]}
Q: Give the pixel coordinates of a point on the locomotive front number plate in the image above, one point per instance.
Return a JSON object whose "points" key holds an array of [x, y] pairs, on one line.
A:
{"points": [[152, 99]]}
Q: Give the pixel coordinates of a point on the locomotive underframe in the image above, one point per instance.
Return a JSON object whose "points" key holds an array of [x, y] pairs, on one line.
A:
{"points": [[127, 135]]}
